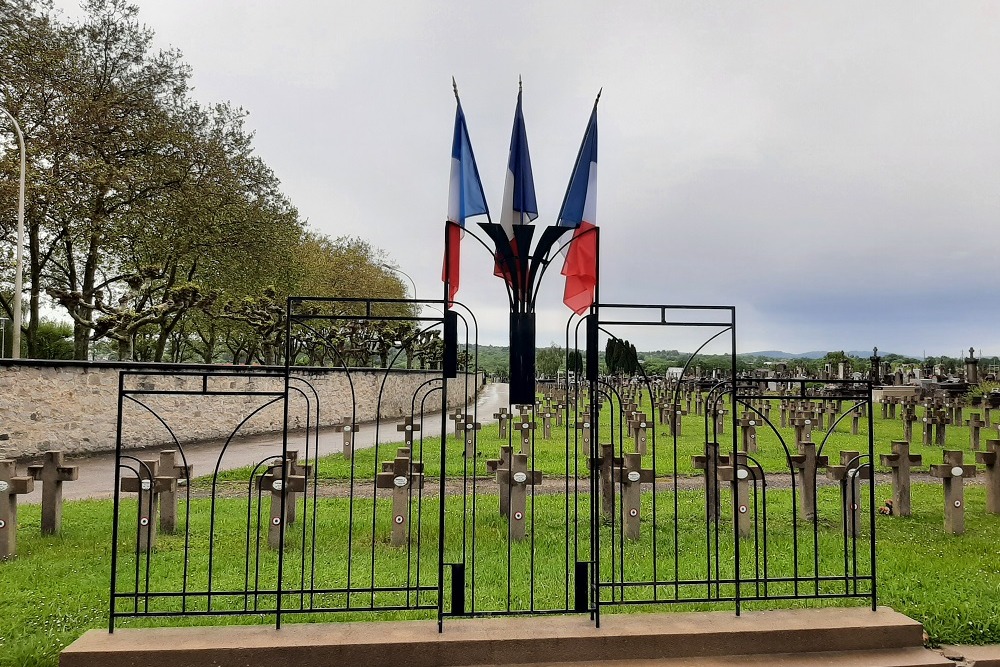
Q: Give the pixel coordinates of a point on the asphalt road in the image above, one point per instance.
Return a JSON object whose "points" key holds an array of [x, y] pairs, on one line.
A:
{"points": [[96, 472]]}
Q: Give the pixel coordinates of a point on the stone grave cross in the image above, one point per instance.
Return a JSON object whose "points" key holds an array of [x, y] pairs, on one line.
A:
{"points": [[11, 487], [952, 472], [502, 418], [604, 464], [52, 473], [170, 466], [849, 473], [806, 464], [271, 481], [348, 428], [502, 463], [471, 427], [974, 424], [990, 459], [402, 474], [740, 473], [149, 485], [631, 476], [901, 460], [408, 428], [709, 462], [517, 478], [638, 427]]}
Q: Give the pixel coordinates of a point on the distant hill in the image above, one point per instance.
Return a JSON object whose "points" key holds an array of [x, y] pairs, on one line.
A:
{"points": [[778, 354]]}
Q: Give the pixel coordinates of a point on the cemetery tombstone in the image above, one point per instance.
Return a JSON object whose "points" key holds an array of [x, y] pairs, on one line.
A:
{"points": [[806, 465], [631, 476], [849, 474], [975, 424], [408, 428], [952, 473], [402, 475], [740, 474], [149, 485], [901, 461], [272, 482], [709, 462], [471, 427], [495, 465], [348, 428], [990, 460], [170, 466], [11, 486], [517, 479], [502, 417], [52, 473]]}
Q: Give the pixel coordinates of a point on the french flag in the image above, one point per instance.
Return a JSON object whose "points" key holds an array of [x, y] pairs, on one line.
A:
{"points": [[465, 200], [519, 205], [579, 211]]}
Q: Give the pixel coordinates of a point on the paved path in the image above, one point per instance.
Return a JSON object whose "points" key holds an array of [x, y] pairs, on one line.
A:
{"points": [[97, 471]]}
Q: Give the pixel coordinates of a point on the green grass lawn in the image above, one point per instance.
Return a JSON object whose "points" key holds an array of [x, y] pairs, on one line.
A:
{"points": [[58, 586], [550, 455]]}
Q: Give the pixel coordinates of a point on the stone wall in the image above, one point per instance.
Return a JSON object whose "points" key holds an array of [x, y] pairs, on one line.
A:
{"points": [[72, 406]]}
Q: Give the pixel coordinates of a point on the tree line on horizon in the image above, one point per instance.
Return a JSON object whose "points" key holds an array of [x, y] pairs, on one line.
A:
{"points": [[152, 227]]}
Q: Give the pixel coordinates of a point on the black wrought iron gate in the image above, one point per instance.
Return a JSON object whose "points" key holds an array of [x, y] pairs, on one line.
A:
{"points": [[585, 503]]}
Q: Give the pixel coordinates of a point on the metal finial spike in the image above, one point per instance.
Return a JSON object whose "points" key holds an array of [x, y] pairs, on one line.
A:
{"points": [[454, 86], [599, 95], [519, 83]]}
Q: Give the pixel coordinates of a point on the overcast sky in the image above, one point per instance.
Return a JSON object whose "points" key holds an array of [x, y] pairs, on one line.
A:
{"points": [[830, 169]]}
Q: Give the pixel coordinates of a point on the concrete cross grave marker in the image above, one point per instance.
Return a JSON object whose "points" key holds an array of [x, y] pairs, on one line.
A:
{"points": [[171, 466], [901, 460], [631, 476], [348, 428], [560, 413], [638, 427], [674, 421], [471, 428], [698, 404], [941, 419], [741, 474], [604, 465], [524, 427], [806, 464], [149, 485], [709, 462], [517, 479], [784, 414], [408, 428], [547, 417], [402, 475], [952, 473], [909, 416], [974, 424], [990, 460], [583, 426], [849, 473], [272, 482], [11, 487], [928, 429], [497, 464], [803, 428], [855, 421], [52, 473], [748, 433], [459, 419], [987, 416], [502, 417]]}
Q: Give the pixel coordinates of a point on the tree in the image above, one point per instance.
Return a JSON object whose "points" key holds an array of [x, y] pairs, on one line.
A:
{"points": [[548, 360]]}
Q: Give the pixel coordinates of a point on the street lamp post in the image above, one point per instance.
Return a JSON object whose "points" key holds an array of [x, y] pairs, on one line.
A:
{"points": [[402, 273], [15, 352]]}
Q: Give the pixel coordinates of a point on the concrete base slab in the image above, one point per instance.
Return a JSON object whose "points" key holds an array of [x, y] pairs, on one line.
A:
{"points": [[974, 656], [508, 641]]}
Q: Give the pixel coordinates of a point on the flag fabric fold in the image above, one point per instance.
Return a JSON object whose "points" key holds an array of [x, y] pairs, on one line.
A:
{"points": [[519, 205], [579, 212], [466, 199]]}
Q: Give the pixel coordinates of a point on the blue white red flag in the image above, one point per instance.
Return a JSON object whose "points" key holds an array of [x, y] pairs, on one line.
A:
{"points": [[466, 199], [519, 205], [579, 211]]}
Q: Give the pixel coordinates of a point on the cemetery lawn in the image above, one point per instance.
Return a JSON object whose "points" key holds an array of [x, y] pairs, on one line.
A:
{"points": [[57, 587], [550, 455]]}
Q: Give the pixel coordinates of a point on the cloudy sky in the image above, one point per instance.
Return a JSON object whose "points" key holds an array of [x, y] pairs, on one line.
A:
{"points": [[830, 169]]}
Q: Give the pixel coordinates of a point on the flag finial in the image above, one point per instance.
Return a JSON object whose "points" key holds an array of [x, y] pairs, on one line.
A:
{"points": [[595, 101], [519, 83], [454, 86]]}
